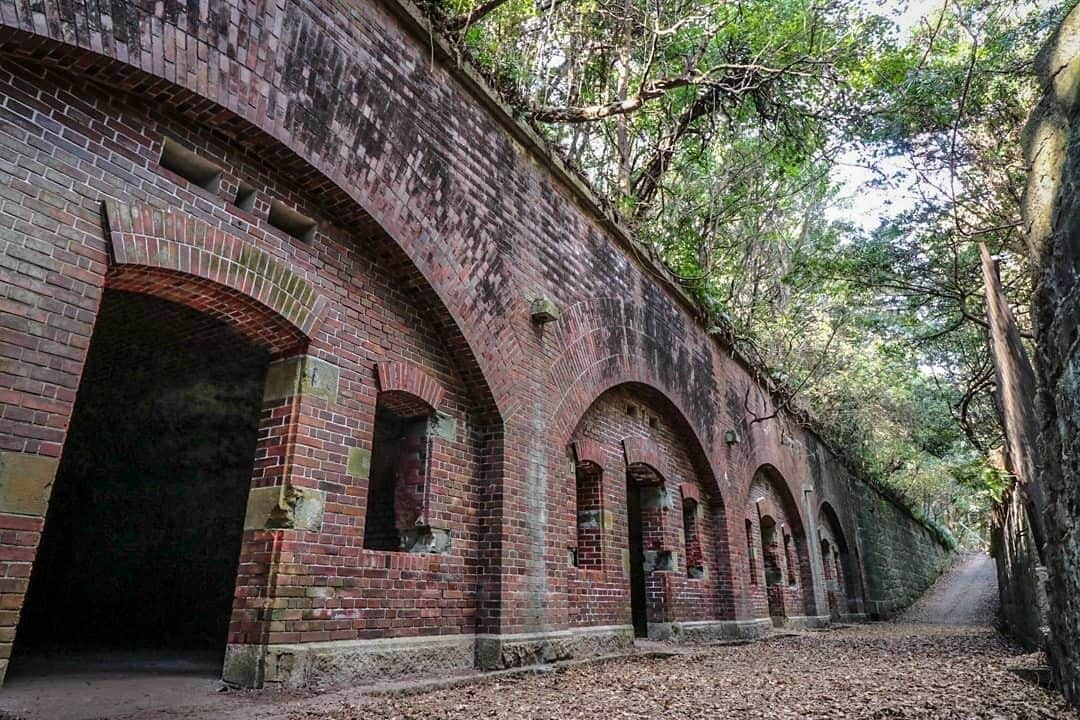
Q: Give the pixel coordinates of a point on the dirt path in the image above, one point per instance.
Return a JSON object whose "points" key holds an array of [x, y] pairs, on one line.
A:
{"points": [[941, 660], [966, 594]]}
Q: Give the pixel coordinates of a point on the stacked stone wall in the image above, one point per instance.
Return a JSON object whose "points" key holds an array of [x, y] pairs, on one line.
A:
{"points": [[1020, 572], [1051, 216], [901, 556]]}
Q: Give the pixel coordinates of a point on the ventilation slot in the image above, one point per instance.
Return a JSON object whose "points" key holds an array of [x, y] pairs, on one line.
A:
{"points": [[245, 197], [288, 220], [185, 163]]}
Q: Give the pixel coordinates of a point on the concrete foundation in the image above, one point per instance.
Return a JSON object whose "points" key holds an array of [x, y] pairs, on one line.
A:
{"points": [[807, 622], [341, 662], [710, 630], [504, 651]]}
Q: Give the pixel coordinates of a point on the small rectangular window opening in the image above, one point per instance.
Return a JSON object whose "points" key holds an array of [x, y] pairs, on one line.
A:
{"points": [[245, 197], [792, 578], [294, 223], [188, 165], [654, 422], [398, 471], [631, 410], [750, 551]]}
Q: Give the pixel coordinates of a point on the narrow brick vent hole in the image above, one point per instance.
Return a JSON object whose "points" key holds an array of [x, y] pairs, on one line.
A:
{"points": [[286, 219], [185, 163], [245, 197]]}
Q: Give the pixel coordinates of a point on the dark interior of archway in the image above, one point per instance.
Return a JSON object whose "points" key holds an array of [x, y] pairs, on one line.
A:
{"points": [[639, 612], [142, 539]]}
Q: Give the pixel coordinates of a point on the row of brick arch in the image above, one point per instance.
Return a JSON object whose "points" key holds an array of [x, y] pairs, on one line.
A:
{"points": [[163, 253], [584, 359]]}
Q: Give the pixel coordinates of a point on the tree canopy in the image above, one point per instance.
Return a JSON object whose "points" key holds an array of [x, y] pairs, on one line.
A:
{"points": [[728, 132]]}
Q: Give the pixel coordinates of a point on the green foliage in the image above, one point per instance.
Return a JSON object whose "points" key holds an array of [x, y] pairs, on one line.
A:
{"points": [[723, 152]]}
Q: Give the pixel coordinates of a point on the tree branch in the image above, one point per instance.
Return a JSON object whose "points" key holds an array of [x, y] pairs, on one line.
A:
{"points": [[474, 15]]}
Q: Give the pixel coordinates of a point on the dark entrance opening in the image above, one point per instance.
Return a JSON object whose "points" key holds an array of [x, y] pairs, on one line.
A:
{"points": [[774, 572], [638, 599], [142, 539]]}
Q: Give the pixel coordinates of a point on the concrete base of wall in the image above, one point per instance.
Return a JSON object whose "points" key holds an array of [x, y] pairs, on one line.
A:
{"points": [[854, 618], [506, 651], [887, 609], [807, 622], [710, 630], [341, 662], [345, 661]]}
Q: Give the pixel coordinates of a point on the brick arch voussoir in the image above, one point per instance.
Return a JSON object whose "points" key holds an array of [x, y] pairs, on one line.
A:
{"points": [[594, 379], [404, 378], [587, 450], [179, 258], [254, 95], [644, 451], [827, 515], [790, 492]]}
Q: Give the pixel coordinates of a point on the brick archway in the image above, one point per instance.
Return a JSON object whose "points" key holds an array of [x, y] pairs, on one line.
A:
{"points": [[841, 571], [769, 499], [175, 257], [607, 342], [347, 175]]}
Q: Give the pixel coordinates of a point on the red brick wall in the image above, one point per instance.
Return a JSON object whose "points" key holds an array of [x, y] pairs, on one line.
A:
{"points": [[435, 230], [76, 147], [600, 595], [770, 499]]}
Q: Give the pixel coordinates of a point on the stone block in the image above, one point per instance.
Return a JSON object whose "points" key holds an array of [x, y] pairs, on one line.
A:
{"points": [[425, 540], [656, 497], [663, 560], [522, 649], [543, 310], [25, 483], [346, 661], [589, 519], [304, 375], [284, 507], [358, 464], [443, 426]]}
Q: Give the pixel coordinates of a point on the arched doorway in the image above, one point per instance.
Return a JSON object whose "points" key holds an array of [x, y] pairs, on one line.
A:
{"points": [[647, 529], [783, 586], [646, 498], [139, 556], [841, 577]]}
